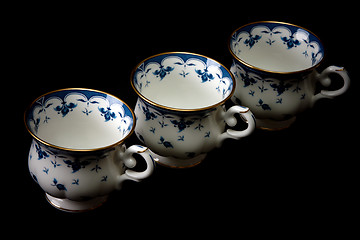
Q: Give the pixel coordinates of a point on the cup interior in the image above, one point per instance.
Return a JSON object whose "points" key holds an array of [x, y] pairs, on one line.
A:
{"points": [[182, 81], [276, 47], [79, 119]]}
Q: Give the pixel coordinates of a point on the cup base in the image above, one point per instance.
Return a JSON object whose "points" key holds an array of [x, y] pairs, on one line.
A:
{"points": [[172, 162], [67, 205], [273, 125]]}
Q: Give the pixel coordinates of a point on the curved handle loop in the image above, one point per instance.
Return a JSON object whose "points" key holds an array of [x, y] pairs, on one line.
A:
{"points": [[325, 80], [130, 162], [246, 115]]}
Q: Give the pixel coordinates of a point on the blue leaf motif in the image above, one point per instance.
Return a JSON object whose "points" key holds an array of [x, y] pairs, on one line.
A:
{"points": [[263, 105], [163, 72], [64, 108], [290, 42], [41, 154], [108, 115], [247, 79], [60, 187], [148, 115], [281, 87], [252, 40], [182, 124], [76, 165], [205, 75], [166, 144]]}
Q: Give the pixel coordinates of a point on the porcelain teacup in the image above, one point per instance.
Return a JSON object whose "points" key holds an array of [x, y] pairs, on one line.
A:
{"points": [[180, 113], [274, 64], [78, 155]]}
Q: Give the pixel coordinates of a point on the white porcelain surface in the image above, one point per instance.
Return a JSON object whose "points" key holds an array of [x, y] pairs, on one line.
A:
{"points": [[180, 111], [78, 155], [274, 66], [276, 47]]}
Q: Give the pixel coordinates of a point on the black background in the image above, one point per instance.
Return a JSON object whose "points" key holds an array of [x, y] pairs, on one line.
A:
{"points": [[301, 178]]}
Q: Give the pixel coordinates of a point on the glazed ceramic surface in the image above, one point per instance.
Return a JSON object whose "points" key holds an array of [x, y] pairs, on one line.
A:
{"points": [[180, 110], [274, 66], [77, 152]]}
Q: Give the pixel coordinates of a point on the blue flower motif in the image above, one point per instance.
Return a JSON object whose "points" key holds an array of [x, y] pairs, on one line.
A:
{"points": [[263, 105], [281, 87], [96, 168], [199, 127], [252, 40], [64, 108], [166, 144], [108, 115], [163, 72], [182, 124], [247, 79], [41, 154], [46, 170], [290, 42], [76, 165], [148, 115], [205, 75], [55, 163], [60, 187]]}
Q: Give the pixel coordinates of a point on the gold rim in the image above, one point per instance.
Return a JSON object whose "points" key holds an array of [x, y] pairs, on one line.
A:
{"points": [[74, 149], [180, 109], [268, 71]]}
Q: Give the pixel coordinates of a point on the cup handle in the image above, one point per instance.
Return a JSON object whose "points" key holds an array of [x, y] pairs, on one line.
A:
{"points": [[130, 162], [246, 115], [325, 80]]}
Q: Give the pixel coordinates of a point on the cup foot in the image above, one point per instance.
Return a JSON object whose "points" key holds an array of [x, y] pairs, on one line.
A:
{"points": [[178, 162], [273, 125], [67, 205]]}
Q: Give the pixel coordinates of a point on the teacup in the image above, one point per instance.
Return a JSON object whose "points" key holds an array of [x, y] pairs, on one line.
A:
{"points": [[180, 111], [274, 64], [78, 155]]}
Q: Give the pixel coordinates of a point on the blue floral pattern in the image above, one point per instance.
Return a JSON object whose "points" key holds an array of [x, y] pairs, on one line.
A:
{"points": [[162, 72], [159, 123], [63, 172], [252, 40], [60, 105], [179, 66], [291, 42], [205, 75], [271, 62], [267, 35], [262, 94], [65, 108]]}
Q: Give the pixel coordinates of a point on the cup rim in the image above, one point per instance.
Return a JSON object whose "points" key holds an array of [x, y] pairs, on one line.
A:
{"points": [[75, 149], [269, 71], [181, 109]]}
